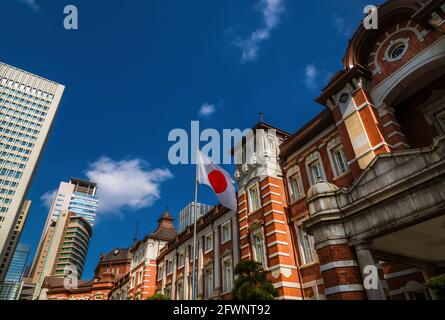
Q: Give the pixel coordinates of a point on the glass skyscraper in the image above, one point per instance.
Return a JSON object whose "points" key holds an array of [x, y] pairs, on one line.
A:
{"points": [[10, 288]]}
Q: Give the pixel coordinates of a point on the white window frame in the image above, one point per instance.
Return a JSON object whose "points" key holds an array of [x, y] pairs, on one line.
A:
{"points": [[227, 287], [441, 119], [223, 238], [249, 196], [178, 283], [181, 263], [209, 235], [209, 293], [169, 265], [333, 146], [310, 160], [259, 233], [301, 245], [292, 172]]}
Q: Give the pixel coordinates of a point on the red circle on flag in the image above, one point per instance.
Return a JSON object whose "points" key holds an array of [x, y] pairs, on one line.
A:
{"points": [[218, 181]]}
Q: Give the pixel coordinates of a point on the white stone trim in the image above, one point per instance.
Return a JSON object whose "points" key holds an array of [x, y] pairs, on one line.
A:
{"points": [[283, 254], [274, 221], [343, 288], [400, 273], [338, 264], [277, 242], [273, 211], [276, 231], [280, 284]]}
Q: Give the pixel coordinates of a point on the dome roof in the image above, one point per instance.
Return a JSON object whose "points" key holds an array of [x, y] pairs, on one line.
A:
{"points": [[321, 187]]}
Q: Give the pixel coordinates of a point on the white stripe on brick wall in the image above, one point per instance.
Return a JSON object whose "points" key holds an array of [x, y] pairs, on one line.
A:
{"points": [[289, 298], [272, 201], [276, 231], [245, 246], [400, 273], [278, 254], [274, 221], [241, 211], [277, 242], [338, 264], [245, 256], [271, 193], [287, 284], [273, 211], [343, 288]]}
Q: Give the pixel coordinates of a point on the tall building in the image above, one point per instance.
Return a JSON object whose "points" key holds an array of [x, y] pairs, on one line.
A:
{"points": [[63, 250], [186, 216], [28, 106], [18, 229], [10, 287], [78, 196]]}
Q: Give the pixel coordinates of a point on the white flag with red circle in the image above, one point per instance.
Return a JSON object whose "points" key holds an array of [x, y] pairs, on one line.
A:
{"points": [[218, 179]]}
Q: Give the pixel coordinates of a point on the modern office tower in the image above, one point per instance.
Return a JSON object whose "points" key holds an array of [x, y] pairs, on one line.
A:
{"points": [[10, 288], [28, 106], [78, 196], [65, 249], [186, 215], [18, 229]]}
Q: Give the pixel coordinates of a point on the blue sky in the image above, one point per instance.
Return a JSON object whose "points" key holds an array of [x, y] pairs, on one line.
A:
{"points": [[134, 70]]}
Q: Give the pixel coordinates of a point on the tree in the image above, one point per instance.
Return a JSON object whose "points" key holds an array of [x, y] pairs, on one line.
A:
{"points": [[252, 283], [438, 284], [158, 296]]}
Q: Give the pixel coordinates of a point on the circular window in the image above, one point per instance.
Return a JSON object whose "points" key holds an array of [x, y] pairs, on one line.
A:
{"points": [[396, 50]]}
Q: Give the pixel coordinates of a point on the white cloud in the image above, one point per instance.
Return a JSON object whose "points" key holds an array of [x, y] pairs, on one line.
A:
{"points": [[32, 4], [272, 11], [47, 198], [126, 184], [341, 26], [207, 110], [311, 76]]}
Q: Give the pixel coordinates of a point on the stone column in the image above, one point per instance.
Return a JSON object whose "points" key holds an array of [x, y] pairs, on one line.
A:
{"points": [[365, 259], [338, 267], [217, 262]]}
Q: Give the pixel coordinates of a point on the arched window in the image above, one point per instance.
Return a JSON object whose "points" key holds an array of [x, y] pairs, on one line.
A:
{"points": [[315, 167], [296, 190], [337, 156]]}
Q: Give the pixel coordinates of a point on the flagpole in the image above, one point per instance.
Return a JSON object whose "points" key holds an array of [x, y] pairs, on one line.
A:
{"points": [[195, 213]]}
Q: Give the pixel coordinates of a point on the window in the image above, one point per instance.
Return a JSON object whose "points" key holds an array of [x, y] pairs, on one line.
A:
{"points": [[305, 244], [340, 162], [316, 171], [259, 249], [254, 198], [181, 259], [441, 118], [226, 234], [180, 290], [168, 292], [208, 242], [169, 266], [208, 282], [295, 188], [227, 274]]}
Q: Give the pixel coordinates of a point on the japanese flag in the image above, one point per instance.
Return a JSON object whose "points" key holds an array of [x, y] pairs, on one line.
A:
{"points": [[218, 179]]}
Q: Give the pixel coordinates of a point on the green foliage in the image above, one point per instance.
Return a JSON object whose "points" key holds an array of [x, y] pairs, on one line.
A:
{"points": [[252, 283], [437, 283], [158, 296]]}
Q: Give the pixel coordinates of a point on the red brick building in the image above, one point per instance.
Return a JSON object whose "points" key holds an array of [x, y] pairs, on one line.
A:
{"points": [[361, 186], [142, 277], [112, 267]]}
